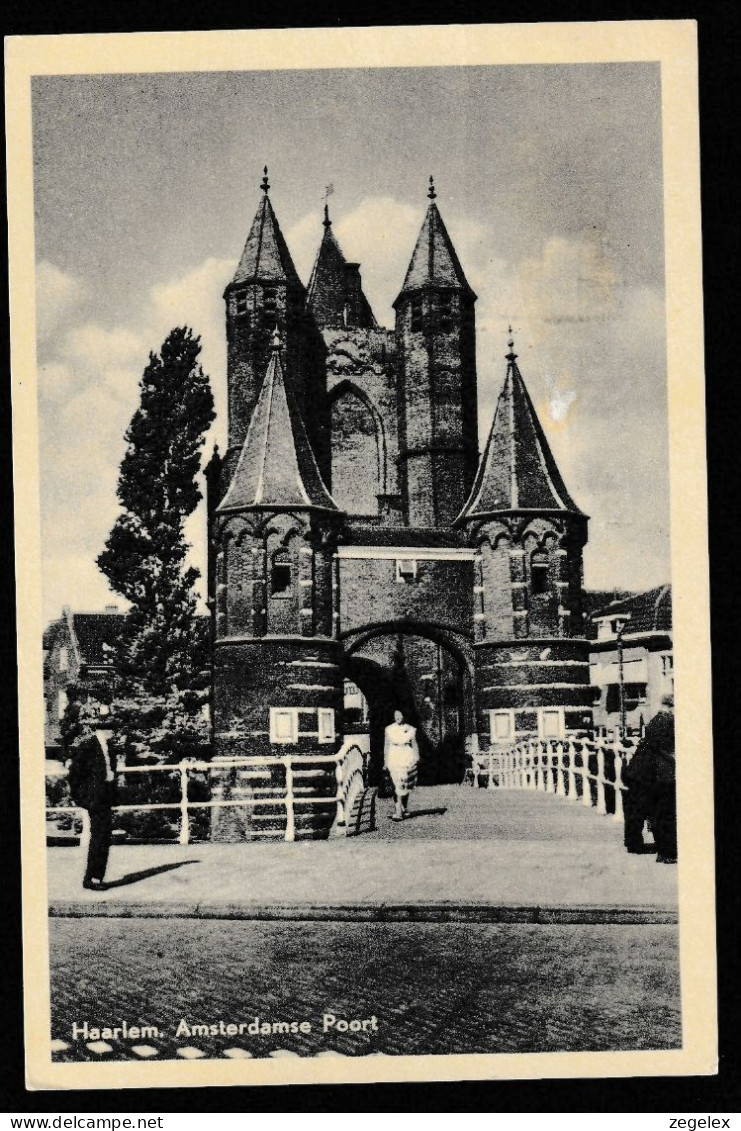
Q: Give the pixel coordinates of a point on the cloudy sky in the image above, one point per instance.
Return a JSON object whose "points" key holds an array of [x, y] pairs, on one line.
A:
{"points": [[548, 178]]}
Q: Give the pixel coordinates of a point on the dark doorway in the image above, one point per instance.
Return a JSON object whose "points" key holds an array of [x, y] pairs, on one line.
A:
{"points": [[427, 682]]}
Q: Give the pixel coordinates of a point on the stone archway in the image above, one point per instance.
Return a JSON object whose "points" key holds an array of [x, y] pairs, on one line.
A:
{"points": [[425, 672]]}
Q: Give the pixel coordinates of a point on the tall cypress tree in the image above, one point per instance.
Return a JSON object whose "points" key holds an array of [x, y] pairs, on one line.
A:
{"points": [[162, 657]]}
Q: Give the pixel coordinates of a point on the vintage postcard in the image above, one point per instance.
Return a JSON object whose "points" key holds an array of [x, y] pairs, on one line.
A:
{"points": [[362, 571]]}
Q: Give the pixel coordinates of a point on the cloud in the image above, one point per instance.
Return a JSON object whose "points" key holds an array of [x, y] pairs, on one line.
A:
{"points": [[93, 350], [571, 281], [196, 300], [380, 234], [57, 296], [88, 392], [591, 351]]}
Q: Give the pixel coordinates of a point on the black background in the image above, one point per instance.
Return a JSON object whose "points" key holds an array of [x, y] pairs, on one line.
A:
{"points": [[719, 32]]}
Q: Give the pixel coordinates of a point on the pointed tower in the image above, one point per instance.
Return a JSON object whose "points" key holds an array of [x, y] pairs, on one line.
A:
{"points": [[277, 681], [266, 292], [435, 331], [531, 658], [335, 294]]}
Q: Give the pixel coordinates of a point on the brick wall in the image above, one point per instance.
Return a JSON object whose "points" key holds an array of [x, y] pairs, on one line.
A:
{"points": [[249, 335], [525, 677], [438, 438], [442, 593], [250, 677]]}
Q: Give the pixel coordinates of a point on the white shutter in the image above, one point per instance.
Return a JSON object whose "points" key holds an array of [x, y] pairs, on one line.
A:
{"points": [[283, 725]]}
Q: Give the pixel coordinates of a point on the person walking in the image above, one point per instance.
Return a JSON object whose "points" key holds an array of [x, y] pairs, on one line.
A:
{"points": [[92, 782], [651, 780], [401, 759]]}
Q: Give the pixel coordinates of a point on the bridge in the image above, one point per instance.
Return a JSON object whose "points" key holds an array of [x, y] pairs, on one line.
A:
{"points": [[531, 836]]}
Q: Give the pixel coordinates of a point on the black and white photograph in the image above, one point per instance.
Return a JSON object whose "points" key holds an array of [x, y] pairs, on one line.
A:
{"points": [[355, 426]]}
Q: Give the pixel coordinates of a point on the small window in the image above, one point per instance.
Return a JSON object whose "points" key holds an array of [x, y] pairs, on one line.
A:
{"points": [[326, 725], [241, 303], [635, 693], [281, 575], [406, 570], [667, 663], [283, 725], [539, 572], [418, 315], [445, 313], [551, 722], [502, 726], [269, 300]]}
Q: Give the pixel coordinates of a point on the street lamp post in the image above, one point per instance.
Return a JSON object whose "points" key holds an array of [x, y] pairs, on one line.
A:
{"points": [[621, 674]]}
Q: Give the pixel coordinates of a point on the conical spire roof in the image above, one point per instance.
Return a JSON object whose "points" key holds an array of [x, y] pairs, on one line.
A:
{"points": [[266, 257], [335, 296], [434, 262], [276, 469], [517, 470]]}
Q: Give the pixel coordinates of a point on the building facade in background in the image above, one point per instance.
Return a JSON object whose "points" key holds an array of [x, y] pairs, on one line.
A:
{"points": [[631, 643], [78, 651], [356, 539]]}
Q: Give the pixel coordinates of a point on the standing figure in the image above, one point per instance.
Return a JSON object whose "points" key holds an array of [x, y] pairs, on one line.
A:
{"points": [[92, 782], [401, 759], [651, 780]]}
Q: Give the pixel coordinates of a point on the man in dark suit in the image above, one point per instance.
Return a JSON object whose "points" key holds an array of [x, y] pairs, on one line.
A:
{"points": [[651, 780], [92, 782]]}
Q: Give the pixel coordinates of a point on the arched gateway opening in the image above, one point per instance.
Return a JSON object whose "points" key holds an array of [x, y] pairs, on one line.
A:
{"points": [[423, 672]]}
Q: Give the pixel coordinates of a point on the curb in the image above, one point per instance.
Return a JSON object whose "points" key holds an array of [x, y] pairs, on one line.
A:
{"points": [[370, 913]]}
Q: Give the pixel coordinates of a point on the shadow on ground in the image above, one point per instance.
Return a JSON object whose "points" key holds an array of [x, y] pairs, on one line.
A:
{"points": [[134, 877]]}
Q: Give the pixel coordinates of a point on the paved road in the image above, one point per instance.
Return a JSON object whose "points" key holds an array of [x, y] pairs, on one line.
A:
{"points": [[489, 847], [431, 988]]}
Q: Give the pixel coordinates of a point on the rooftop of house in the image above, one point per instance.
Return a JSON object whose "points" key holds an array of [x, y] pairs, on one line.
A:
{"points": [[517, 471], [266, 258], [434, 261], [276, 466], [643, 612], [94, 634]]}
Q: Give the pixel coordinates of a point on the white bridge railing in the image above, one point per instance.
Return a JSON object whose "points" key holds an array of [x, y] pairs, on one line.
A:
{"points": [[293, 791], [586, 770]]}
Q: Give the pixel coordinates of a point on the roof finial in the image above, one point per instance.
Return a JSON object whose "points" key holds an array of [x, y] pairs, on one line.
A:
{"points": [[265, 186], [276, 338], [511, 356], [328, 190], [431, 191]]}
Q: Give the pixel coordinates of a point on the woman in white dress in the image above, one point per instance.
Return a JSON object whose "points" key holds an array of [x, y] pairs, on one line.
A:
{"points": [[401, 759]]}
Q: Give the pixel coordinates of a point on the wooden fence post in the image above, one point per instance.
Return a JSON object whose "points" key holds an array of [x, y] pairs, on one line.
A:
{"points": [[290, 814], [184, 837], [338, 773], [572, 775], [601, 806], [560, 789], [586, 789]]}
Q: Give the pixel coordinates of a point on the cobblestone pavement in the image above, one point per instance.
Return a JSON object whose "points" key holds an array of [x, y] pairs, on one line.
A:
{"points": [[431, 988]]}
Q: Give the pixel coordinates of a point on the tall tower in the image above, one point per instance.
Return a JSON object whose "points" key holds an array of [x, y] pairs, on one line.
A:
{"points": [[266, 293], [435, 329], [335, 296], [531, 658], [277, 680]]}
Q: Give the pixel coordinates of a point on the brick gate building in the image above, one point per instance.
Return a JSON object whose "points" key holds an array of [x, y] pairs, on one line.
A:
{"points": [[355, 535]]}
